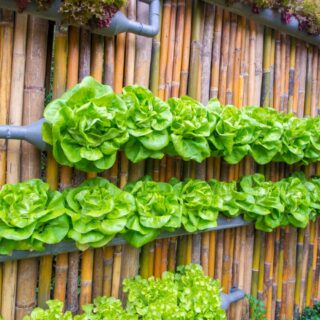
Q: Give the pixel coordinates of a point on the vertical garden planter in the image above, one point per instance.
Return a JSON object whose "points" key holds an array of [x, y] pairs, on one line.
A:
{"points": [[269, 18], [119, 23]]}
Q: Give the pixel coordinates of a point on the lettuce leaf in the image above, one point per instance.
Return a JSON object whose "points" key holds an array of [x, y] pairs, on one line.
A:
{"points": [[158, 208], [98, 211], [31, 216], [148, 119], [86, 126]]}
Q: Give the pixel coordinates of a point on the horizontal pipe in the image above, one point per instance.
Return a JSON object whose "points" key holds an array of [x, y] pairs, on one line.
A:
{"points": [[270, 18], [30, 133], [70, 246], [119, 23], [234, 296]]}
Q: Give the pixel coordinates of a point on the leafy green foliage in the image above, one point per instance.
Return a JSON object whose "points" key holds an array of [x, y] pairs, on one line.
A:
{"points": [[86, 126], [105, 308], [94, 212], [55, 311], [30, 216], [186, 294], [148, 119], [158, 208], [191, 125], [257, 308], [98, 210], [311, 313], [198, 210], [90, 123]]}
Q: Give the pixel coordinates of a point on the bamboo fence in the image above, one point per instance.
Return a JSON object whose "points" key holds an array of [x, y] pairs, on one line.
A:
{"points": [[202, 51]]}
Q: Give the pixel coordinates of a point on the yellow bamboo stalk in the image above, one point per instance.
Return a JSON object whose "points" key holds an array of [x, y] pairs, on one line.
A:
{"points": [[58, 88], [66, 172], [165, 32], [9, 278], [107, 274], [96, 70], [30, 167], [186, 49]]}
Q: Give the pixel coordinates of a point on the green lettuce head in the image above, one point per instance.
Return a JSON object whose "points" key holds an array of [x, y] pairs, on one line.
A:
{"points": [[297, 200], [86, 126], [98, 210], [261, 202], [191, 125], [198, 210], [148, 120], [295, 140], [157, 209], [232, 135], [225, 197], [30, 216], [268, 130], [105, 308], [54, 311]]}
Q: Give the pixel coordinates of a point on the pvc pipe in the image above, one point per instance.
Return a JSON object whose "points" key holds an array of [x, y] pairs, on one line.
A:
{"points": [[234, 296], [30, 133], [270, 18], [119, 23]]}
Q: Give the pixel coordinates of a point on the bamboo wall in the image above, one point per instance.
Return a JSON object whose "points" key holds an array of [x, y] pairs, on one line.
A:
{"points": [[201, 51]]}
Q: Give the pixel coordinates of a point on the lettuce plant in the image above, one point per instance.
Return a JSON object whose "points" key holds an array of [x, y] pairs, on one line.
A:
{"points": [[148, 119], [157, 209], [232, 135], [297, 201], [105, 308], [185, 295], [268, 130], [98, 211], [30, 216], [55, 311], [198, 210], [192, 123], [262, 202], [86, 126], [225, 197]]}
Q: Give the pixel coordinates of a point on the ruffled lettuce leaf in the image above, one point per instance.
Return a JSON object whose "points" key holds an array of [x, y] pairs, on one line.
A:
{"points": [[86, 126], [31, 216], [148, 119], [158, 208], [192, 123], [98, 211]]}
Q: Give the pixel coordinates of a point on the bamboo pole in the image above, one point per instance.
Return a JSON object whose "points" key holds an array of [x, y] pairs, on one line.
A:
{"points": [[32, 110], [66, 172], [45, 270], [160, 166], [109, 61], [9, 159], [87, 257], [165, 33], [96, 70], [178, 52], [142, 75], [186, 49], [130, 260], [171, 51], [118, 83]]}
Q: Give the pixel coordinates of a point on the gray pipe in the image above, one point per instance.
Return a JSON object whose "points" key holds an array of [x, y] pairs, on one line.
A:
{"points": [[30, 133], [119, 23], [234, 296], [270, 18]]}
